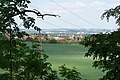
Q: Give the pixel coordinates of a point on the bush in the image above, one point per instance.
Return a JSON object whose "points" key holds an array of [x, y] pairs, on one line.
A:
{"points": [[52, 41], [69, 74]]}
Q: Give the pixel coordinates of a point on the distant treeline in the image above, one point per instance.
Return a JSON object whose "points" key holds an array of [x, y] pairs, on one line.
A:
{"points": [[54, 41]]}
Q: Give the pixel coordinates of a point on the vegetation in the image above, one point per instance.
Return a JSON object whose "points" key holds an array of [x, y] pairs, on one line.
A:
{"points": [[69, 74], [22, 62], [53, 41], [19, 60], [73, 56], [105, 48]]}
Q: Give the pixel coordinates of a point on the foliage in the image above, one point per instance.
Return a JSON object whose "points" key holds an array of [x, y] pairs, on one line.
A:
{"points": [[114, 12], [16, 57], [52, 41], [27, 63], [46, 37], [69, 74], [105, 48], [21, 61]]}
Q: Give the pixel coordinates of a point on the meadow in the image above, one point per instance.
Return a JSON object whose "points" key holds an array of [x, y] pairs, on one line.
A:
{"points": [[73, 56]]}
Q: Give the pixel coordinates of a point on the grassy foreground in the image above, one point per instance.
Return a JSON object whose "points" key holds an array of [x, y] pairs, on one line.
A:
{"points": [[72, 56]]}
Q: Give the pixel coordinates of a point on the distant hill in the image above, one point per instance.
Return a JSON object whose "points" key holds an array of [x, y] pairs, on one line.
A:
{"points": [[70, 31], [74, 31]]}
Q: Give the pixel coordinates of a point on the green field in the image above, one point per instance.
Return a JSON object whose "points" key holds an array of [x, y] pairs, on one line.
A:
{"points": [[72, 56]]}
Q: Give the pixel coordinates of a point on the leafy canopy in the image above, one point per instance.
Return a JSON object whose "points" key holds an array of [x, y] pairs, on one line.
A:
{"points": [[20, 60], [105, 48]]}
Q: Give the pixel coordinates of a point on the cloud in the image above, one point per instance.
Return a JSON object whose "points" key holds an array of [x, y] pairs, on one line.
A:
{"points": [[97, 4], [114, 5], [60, 7], [75, 6], [102, 5]]}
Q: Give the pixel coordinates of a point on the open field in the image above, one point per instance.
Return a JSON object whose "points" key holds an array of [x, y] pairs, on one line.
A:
{"points": [[72, 55]]}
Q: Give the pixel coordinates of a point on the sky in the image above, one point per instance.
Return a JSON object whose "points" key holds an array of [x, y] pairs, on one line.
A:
{"points": [[74, 14]]}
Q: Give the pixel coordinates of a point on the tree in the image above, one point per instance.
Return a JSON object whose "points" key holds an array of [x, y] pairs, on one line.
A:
{"points": [[53, 41], [69, 74], [21, 61], [17, 57], [105, 48]]}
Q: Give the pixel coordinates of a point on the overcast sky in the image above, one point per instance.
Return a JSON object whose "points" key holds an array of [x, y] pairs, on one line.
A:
{"points": [[74, 13]]}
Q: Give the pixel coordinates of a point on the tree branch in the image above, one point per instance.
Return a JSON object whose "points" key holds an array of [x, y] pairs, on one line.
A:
{"points": [[36, 12], [49, 15]]}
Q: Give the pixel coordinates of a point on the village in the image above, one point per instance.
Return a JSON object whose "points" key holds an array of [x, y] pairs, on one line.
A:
{"points": [[55, 38], [62, 35]]}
